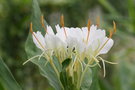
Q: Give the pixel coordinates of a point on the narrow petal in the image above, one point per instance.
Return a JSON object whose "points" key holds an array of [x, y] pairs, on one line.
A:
{"points": [[107, 46], [53, 42], [50, 30], [39, 40]]}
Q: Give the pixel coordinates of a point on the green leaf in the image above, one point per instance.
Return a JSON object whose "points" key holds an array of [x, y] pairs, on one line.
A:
{"points": [[6, 78], [36, 16], [65, 78], [31, 50], [87, 80], [66, 63], [57, 63], [48, 72], [95, 83]]}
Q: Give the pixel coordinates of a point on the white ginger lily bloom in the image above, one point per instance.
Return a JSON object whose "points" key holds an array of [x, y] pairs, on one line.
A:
{"points": [[75, 43], [75, 40]]}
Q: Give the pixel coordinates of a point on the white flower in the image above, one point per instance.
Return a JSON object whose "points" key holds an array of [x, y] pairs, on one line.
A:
{"points": [[75, 43], [76, 40]]}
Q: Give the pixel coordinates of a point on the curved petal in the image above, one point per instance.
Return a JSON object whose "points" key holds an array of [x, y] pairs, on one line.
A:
{"points": [[50, 30], [53, 42], [38, 39], [107, 46]]}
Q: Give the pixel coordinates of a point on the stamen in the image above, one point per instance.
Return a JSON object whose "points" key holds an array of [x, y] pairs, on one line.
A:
{"points": [[98, 21], [110, 33], [81, 64], [62, 24], [114, 27], [31, 59], [107, 61], [104, 70], [31, 30], [41, 55], [42, 23], [88, 26], [103, 61], [93, 65], [95, 58]]}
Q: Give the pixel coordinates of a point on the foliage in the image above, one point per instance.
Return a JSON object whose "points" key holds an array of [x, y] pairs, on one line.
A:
{"points": [[6, 78]]}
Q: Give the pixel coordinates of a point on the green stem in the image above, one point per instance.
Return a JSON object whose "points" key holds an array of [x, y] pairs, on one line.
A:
{"points": [[57, 73], [82, 76]]}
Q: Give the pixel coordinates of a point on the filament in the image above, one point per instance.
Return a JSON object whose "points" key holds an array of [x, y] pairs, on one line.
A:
{"points": [[104, 70]]}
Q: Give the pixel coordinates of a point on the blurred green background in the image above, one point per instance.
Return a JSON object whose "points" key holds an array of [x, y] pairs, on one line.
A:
{"points": [[14, 28]]}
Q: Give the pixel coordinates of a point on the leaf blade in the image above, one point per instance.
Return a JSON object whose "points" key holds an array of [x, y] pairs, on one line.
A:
{"points": [[6, 78]]}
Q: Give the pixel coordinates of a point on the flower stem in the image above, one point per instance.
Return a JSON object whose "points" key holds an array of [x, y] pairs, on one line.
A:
{"points": [[57, 73], [82, 76]]}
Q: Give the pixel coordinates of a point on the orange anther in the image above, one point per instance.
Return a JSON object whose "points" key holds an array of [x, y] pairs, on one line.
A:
{"points": [[114, 27], [42, 23], [62, 20], [110, 34], [62, 24], [88, 26], [31, 28], [98, 21]]}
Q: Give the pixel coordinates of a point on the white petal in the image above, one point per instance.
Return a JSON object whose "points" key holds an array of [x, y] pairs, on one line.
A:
{"points": [[39, 40], [58, 29], [73, 43], [50, 30], [107, 46], [60, 33], [53, 42]]}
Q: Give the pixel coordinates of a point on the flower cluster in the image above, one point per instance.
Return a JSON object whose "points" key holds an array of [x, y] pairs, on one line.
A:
{"points": [[75, 43]]}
